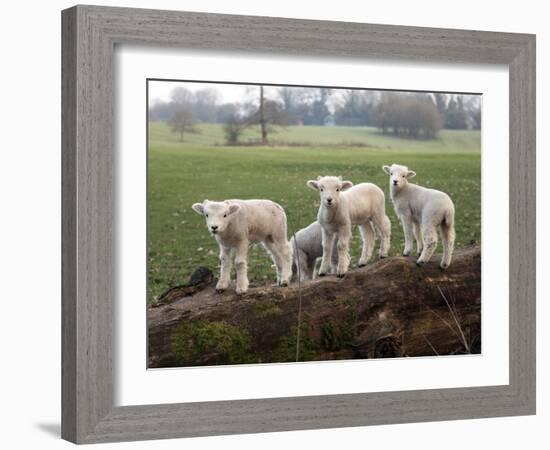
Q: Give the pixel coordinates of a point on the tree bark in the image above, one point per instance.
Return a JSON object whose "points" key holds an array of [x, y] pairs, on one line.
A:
{"points": [[390, 308]]}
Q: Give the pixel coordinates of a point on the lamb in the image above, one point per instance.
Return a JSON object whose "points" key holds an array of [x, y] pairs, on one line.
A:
{"points": [[237, 223], [422, 211], [342, 206], [307, 247]]}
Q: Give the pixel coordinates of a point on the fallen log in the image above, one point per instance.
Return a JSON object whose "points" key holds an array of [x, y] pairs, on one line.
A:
{"points": [[391, 308]]}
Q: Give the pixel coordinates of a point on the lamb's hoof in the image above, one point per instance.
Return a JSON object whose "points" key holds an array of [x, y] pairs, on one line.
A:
{"points": [[220, 291], [240, 291], [382, 256], [361, 264], [283, 284], [444, 266], [340, 275], [420, 263], [322, 274], [406, 253]]}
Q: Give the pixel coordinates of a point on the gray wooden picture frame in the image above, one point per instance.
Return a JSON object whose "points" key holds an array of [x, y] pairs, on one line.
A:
{"points": [[90, 34]]}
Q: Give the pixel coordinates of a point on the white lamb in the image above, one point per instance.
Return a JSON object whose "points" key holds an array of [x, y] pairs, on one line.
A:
{"points": [[342, 206], [422, 211], [307, 247], [237, 223]]}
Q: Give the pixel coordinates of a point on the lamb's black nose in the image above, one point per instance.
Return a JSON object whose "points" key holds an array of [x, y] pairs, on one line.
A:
{"points": [[214, 227], [395, 182], [329, 200]]}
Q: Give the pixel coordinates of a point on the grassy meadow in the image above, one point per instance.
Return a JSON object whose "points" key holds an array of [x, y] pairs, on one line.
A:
{"points": [[202, 167]]}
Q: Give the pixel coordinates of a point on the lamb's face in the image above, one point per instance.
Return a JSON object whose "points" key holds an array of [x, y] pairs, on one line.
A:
{"points": [[329, 189], [217, 214], [399, 175]]}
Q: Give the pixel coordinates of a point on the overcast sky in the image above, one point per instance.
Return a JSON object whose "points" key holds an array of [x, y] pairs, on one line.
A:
{"points": [[229, 93]]}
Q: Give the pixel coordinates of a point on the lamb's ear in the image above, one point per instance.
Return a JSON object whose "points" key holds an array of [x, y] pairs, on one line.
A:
{"points": [[198, 208], [386, 169], [312, 184], [233, 208], [345, 185], [411, 174]]}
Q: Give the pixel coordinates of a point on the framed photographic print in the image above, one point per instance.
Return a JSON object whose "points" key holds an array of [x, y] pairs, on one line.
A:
{"points": [[270, 142], [267, 230]]}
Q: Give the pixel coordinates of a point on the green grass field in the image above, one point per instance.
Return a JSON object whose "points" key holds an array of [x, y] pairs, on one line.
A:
{"points": [[180, 174]]}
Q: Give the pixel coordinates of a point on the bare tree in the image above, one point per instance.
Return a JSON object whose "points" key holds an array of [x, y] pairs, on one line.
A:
{"points": [[288, 97], [181, 96], [473, 107], [296, 103], [205, 103], [414, 116], [456, 118], [184, 121], [441, 102], [267, 114], [233, 128], [355, 108], [263, 124]]}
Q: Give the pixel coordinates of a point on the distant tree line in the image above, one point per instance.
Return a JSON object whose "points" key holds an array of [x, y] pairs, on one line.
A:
{"points": [[411, 115], [266, 113], [204, 103], [459, 112]]}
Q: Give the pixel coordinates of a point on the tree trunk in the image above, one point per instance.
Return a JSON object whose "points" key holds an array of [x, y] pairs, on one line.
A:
{"points": [[262, 118], [390, 308]]}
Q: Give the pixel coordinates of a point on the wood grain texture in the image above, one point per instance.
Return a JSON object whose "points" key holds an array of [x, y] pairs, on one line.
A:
{"points": [[522, 283], [68, 225], [89, 36]]}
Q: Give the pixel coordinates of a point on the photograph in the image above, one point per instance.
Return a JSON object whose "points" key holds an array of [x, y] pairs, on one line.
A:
{"points": [[306, 223]]}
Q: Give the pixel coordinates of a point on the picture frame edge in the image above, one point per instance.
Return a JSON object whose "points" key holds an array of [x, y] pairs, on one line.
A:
{"points": [[89, 35]]}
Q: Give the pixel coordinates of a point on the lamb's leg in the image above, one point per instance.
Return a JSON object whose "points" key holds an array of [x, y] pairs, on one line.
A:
{"points": [[334, 256], [327, 242], [282, 254], [306, 272], [286, 267], [382, 222], [309, 269], [241, 255], [417, 231], [407, 231], [299, 261], [344, 236], [448, 239], [305, 265], [295, 269], [225, 271], [274, 257], [367, 238], [429, 234]]}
